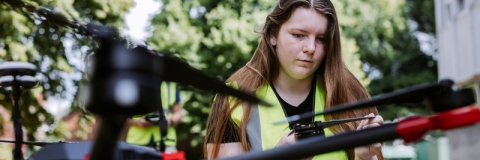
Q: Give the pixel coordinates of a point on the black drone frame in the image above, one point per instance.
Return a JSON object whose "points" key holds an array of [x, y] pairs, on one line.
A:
{"points": [[451, 105], [148, 70]]}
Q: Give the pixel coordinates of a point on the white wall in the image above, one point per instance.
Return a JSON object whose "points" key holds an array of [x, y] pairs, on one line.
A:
{"points": [[458, 34]]}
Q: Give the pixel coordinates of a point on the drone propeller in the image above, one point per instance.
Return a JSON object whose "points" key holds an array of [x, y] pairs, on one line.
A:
{"points": [[178, 70], [126, 81], [17, 68], [41, 144]]}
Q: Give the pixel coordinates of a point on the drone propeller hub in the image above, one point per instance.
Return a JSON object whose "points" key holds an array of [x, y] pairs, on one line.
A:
{"points": [[17, 68], [25, 81]]}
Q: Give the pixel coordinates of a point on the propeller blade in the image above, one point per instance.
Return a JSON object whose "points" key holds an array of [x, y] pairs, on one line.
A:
{"points": [[41, 144]]}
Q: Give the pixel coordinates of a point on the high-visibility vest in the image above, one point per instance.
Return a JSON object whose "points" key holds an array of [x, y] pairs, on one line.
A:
{"points": [[141, 136], [263, 134]]}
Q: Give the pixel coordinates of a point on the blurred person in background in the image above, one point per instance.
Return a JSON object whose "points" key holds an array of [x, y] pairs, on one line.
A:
{"points": [[145, 133]]}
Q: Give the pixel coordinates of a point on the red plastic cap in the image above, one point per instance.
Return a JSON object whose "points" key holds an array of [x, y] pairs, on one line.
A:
{"points": [[86, 157], [413, 128], [179, 155]]}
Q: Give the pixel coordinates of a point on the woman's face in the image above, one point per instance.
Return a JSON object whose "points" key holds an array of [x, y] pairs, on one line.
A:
{"points": [[299, 43]]}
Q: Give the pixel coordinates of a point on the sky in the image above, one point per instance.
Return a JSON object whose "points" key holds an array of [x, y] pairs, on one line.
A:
{"points": [[137, 21]]}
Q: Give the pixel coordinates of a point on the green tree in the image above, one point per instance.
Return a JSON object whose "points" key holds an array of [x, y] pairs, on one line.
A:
{"points": [[387, 33], [27, 35]]}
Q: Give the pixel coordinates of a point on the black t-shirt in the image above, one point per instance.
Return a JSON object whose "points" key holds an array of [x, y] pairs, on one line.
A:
{"points": [[305, 106], [232, 135]]}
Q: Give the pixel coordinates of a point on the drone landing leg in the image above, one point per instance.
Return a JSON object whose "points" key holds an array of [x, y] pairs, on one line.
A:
{"points": [[106, 140], [17, 121]]}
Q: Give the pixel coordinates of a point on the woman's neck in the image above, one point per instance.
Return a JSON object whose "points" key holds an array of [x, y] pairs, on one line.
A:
{"points": [[293, 91]]}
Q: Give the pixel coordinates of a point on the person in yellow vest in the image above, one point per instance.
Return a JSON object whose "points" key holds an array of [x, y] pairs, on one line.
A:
{"points": [[297, 67], [145, 133]]}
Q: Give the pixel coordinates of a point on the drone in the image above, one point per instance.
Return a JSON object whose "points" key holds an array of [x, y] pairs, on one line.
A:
{"points": [[142, 72], [453, 108]]}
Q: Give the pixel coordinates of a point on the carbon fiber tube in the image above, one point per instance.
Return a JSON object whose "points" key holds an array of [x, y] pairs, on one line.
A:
{"points": [[106, 141], [17, 121], [319, 145]]}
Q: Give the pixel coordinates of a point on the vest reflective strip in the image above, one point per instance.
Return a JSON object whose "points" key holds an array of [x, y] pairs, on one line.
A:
{"points": [[168, 91], [142, 136], [253, 130]]}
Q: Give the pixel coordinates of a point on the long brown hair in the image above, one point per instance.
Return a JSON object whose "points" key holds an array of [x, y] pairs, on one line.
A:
{"points": [[340, 84]]}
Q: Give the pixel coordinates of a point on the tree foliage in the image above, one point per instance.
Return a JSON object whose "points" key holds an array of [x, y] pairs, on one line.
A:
{"points": [[28, 36], [388, 34]]}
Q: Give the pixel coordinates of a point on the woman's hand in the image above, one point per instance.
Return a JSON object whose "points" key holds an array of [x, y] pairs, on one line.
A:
{"points": [[369, 152], [143, 123], [288, 138]]}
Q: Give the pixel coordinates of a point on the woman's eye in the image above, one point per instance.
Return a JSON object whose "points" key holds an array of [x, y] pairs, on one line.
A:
{"points": [[320, 39], [298, 35]]}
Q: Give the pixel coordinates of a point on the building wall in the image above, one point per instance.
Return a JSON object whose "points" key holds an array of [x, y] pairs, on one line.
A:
{"points": [[458, 34]]}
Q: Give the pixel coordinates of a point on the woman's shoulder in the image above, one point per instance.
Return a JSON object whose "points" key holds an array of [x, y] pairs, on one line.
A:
{"points": [[232, 84]]}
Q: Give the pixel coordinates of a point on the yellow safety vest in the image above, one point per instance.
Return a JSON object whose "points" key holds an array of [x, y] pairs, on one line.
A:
{"points": [[141, 136], [264, 135]]}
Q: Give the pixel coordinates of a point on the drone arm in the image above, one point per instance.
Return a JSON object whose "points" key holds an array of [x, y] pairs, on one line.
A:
{"points": [[410, 130], [179, 71], [17, 120], [319, 145], [104, 145], [413, 94]]}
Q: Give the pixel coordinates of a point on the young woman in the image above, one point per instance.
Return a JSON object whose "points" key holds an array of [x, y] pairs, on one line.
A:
{"points": [[298, 68]]}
